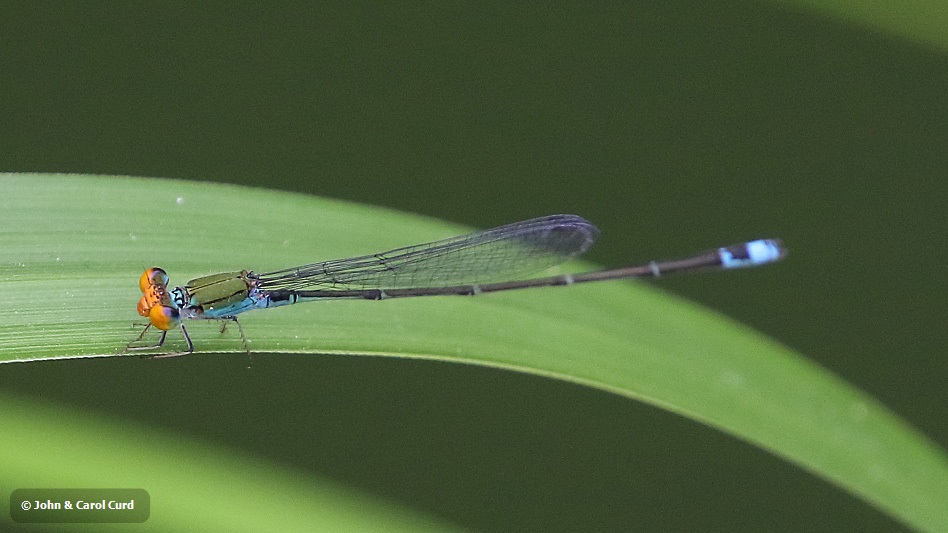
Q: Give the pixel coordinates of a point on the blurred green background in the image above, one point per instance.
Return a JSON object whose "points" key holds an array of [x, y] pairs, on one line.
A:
{"points": [[673, 126]]}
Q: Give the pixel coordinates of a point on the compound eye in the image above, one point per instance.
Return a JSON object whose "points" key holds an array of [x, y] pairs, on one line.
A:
{"points": [[144, 306], [153, 277], [164, 317]]}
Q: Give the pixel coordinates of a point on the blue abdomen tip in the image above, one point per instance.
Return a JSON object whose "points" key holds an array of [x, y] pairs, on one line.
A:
{"points": [[764, 251], [759, 252]]}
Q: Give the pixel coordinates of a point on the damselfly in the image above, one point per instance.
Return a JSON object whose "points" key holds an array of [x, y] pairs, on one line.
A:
{"points": [[477, 263]]}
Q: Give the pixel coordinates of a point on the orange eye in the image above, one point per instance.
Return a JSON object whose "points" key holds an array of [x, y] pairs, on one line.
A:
{"points": [[152, 277], [164, 317], [144, 306]]}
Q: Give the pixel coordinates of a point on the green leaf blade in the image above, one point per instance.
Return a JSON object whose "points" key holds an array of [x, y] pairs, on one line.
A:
{"points": [[191, 485], [69, 277]]}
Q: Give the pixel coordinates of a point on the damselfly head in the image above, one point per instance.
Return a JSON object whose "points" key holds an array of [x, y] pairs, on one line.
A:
{"points": [[156, 301]]}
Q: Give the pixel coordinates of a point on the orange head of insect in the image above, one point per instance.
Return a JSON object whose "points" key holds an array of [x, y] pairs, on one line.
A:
{"points": [[156, 301]]}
